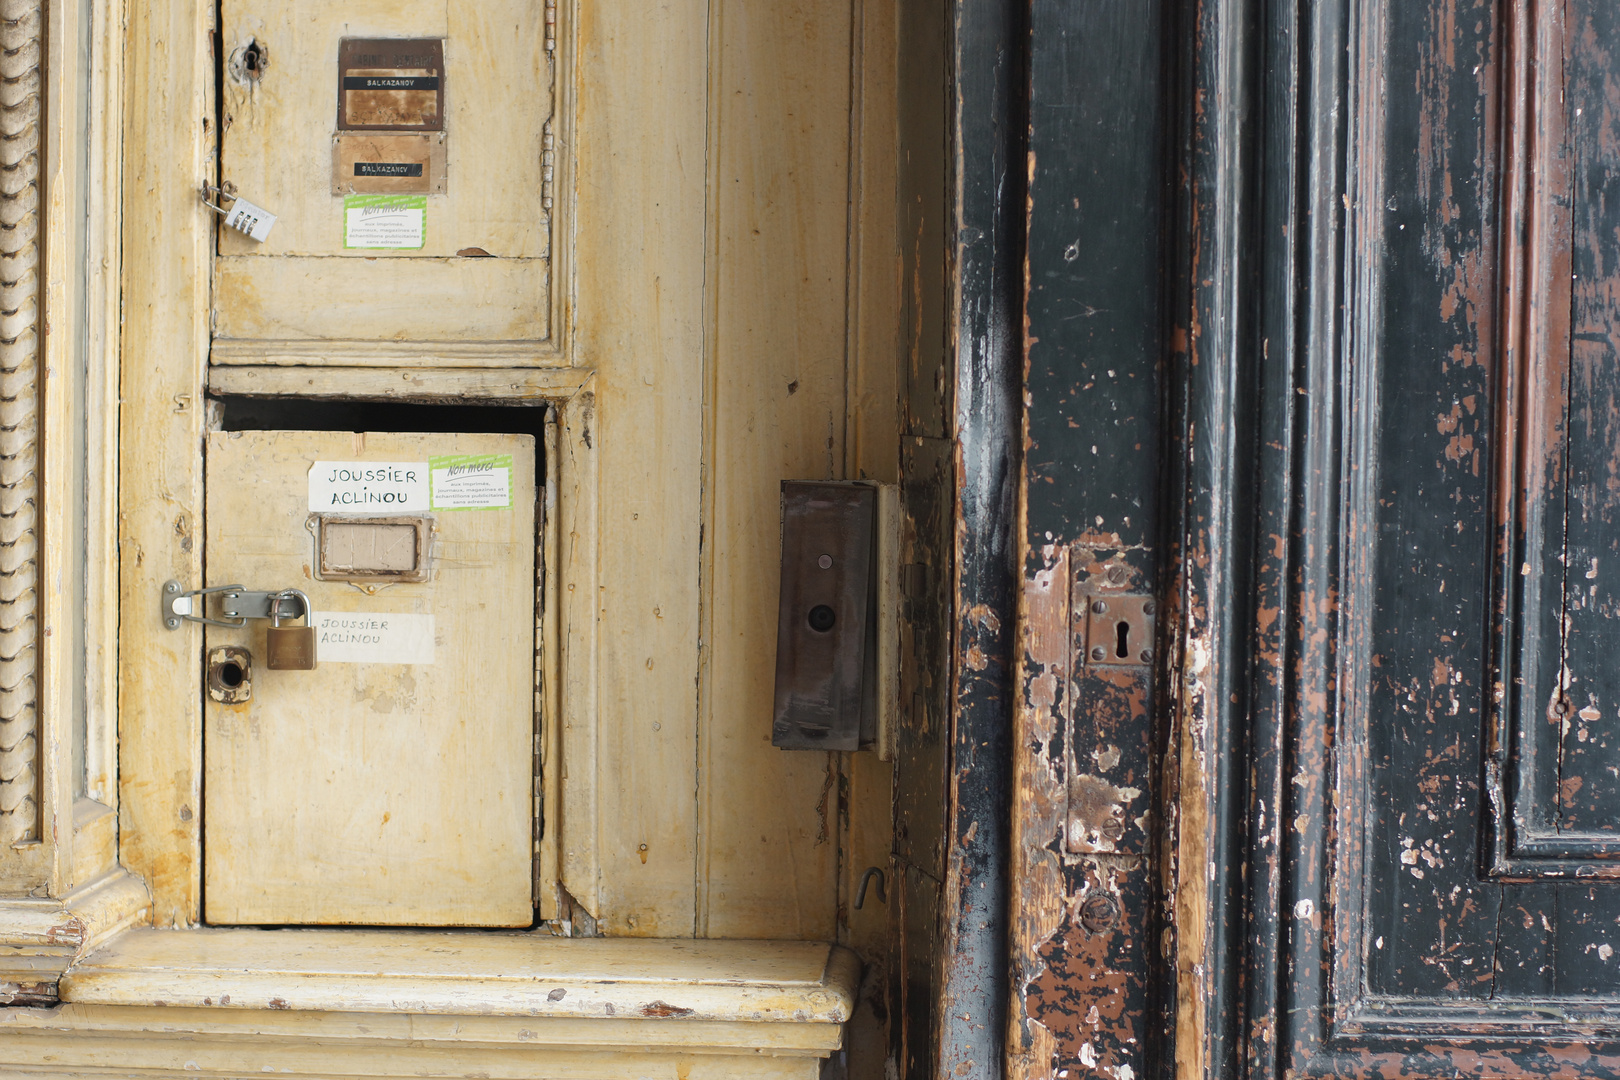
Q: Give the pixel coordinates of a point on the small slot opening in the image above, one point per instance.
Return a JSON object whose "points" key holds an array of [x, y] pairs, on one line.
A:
{"points": [[230, 674], [1122, 646]]}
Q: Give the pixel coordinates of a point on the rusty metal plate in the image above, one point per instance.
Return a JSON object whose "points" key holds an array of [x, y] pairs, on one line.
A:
{"points": [[373, 163], [823, 628], [1119, 629], [372, 549], [1109, 809], [391, 84]]}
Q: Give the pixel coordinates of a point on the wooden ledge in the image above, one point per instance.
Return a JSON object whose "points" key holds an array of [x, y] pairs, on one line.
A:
{"points": [[39, 939], [382, 1005], [471, 973]]}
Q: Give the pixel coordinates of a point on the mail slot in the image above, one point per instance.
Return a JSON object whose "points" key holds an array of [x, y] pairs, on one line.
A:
{"points": [[826, 623]]}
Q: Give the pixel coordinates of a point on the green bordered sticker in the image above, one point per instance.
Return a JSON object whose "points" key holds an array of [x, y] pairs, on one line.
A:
{"points": [[376, 222], [471, 481]]}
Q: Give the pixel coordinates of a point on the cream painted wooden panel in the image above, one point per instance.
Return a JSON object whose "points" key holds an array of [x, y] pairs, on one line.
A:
{"points": [[374, 793], [873, 452], [769, 818], [168, 239], [641, 144], [436, 385], [277, 142], [455, 300]]}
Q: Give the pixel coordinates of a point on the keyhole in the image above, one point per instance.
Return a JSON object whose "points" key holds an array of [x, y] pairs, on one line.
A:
{"points": [[230, 674], [1122, 634], [254, 61]]}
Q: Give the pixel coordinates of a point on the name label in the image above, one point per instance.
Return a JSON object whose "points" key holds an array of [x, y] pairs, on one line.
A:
{"points": [[368, 487], [373, 637], [390, 82], [388, 168]]}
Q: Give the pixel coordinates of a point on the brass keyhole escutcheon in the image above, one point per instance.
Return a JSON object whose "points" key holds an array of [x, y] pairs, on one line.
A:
{"points": [[229, 677]]}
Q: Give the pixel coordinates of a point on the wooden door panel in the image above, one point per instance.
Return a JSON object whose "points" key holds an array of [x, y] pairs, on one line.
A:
{"points": [[1578, 682], [391, 785], [1449, 804]]}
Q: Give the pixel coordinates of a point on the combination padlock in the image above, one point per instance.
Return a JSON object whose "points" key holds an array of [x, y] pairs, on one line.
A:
{"points": [[289, 648]]}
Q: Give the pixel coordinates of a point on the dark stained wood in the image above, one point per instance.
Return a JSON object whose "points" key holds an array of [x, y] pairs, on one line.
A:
{"points": [[922, 746], [987, 124], [1087, 931]]}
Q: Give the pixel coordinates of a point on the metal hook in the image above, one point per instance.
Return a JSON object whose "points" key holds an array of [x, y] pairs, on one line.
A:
{"points": [[860, 893]]}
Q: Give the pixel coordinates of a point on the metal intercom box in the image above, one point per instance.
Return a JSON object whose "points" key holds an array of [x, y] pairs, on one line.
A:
{"points": [[826, 623]]}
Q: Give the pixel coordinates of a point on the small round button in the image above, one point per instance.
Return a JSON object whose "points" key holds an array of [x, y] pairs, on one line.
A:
{"points": [[822, 618], [825, 562]]}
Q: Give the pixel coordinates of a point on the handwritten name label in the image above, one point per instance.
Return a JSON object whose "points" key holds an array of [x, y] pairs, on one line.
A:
{"points": [[368, 487], [370, 637]]}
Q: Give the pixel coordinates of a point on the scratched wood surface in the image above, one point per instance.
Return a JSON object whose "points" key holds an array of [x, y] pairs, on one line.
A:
{"points": [[381, 793]]}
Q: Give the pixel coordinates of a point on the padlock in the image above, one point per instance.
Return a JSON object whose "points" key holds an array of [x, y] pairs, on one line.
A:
{"points": [[289, 648]]}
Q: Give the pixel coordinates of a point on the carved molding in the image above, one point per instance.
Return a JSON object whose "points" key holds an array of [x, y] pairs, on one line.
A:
{"points": [[21, 22]]}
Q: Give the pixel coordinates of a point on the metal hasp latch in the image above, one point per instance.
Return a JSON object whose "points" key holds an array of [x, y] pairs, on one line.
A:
{"points": [[237, 604], [826, 632], [183, 605]]}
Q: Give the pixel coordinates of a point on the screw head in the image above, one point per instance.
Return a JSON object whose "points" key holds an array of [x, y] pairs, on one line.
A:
{"points": [[1098, 912], [171, 623], [1099, 606], [1099, 653], [1147, 608], [1147, 657], [825, 562]]}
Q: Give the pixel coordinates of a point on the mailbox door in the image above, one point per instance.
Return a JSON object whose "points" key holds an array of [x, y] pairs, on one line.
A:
{"points": [[393, 784], [412, 225]]}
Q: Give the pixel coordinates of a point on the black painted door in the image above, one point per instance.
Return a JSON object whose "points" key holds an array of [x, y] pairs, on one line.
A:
{"points": [[1438, 810], [1323, 356]]}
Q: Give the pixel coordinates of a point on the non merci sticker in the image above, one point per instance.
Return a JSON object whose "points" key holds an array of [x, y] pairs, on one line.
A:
{"points": [[384, 221], [472, 481]]}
